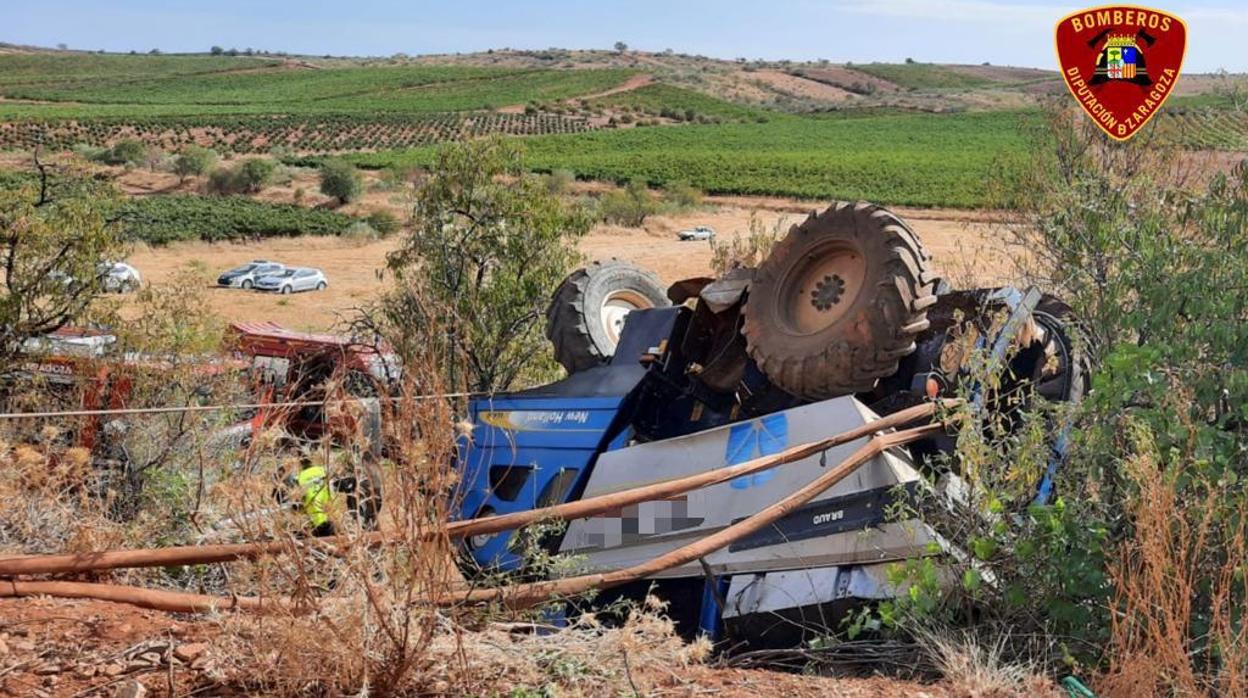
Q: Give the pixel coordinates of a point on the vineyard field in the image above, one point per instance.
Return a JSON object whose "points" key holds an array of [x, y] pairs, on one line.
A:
{"points": [[964, 160], [1203, 128], [271, 87], [51, 69], [159, 220], [87, 90], [261, 134], [917, 76]]}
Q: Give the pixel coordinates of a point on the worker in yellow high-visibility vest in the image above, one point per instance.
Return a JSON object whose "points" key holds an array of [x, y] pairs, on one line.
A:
{"points": [[313, 483]]}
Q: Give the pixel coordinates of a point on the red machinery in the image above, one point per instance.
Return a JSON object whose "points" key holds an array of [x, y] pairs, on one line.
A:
{"points": [[296, 367], [281, 366]]}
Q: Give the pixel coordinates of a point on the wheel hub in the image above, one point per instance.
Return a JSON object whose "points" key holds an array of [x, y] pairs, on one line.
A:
{"points": [[616, 307], [820, 288], [828, 292]]}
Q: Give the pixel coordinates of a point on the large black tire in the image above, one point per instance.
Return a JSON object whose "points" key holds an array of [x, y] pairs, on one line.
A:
{"points": [[839, 301], [365, 499], [1066, 375], [587, 311]]}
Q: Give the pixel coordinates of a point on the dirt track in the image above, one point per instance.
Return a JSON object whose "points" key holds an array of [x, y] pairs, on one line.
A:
{"points": [[961, 242], [59, 647]]}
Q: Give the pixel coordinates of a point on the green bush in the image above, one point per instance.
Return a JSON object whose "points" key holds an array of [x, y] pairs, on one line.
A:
{"points": [[488, 246], [248, 177], [361, 232], [128, 151], [223, 181], [628, 206], [340, 180], [194, 161], [384, 222], [90, 152], [254, 174], [559, 181], [1147, 529], [682, 196]]}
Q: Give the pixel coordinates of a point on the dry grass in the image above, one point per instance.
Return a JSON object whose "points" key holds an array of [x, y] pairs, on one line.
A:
{"points": [[977, 670], [1169, 635], [274, 655], [48, 500]]}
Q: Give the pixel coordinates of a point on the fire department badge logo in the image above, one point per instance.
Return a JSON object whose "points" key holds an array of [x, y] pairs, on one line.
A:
{"points": [[1121, 63]]}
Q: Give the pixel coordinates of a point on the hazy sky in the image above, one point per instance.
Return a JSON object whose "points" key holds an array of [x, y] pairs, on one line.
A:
{"points": [[954, 31]]}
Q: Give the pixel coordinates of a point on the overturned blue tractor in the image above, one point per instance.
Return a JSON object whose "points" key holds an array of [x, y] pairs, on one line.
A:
{"points": [[844, 322]]}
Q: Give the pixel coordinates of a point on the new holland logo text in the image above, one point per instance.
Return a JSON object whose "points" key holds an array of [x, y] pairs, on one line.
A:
{"points": [[1121, 63]]}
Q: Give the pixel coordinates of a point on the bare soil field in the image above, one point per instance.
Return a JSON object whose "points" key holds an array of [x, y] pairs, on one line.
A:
{"points": [[803, 87], [962, 243], [845, 77], [70, 648]]}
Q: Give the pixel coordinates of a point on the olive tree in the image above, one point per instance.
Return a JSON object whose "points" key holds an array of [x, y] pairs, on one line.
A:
{"points": [[488, 245], [340, 180], [194, 161], [254, 174], [54, 232]]}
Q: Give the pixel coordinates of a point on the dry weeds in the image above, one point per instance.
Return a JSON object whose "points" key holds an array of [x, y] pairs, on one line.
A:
{"points": [[977, 670]]}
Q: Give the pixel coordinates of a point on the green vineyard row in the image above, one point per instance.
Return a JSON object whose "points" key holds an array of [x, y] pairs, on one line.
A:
{"points": [[965, 160], [258, 134], [159, 220]]}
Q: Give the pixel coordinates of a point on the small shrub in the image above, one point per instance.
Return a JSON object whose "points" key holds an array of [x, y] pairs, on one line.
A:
{"points": [[90, 152], [361, 233], [340, 180], [559, 181], [256, 173], [249, 177], [682, 196], [384, 222], [748, 250], [128, 151], [194, 161], [629, 206], [223, 181]]}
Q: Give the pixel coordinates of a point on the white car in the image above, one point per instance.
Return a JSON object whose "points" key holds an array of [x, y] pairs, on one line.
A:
{"points": [[114, 277], [119, 277], [245, 276], [293, 279], [702, 232]]}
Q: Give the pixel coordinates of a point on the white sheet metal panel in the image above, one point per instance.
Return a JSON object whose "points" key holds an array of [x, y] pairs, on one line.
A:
{"points": [[778, 591], [640, 533]]}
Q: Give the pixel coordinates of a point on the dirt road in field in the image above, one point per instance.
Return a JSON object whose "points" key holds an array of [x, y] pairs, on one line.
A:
{"points": [[73, 647], [963, 243]]}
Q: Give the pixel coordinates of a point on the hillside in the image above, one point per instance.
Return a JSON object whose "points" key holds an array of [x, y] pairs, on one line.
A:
{"points": [[748, 127]]}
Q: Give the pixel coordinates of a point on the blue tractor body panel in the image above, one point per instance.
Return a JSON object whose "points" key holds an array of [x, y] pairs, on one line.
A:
{"points": [[537, 448], [529, 453]]}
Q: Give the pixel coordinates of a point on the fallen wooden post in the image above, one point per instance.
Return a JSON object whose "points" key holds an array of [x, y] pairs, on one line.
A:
{"points": [[514, 596], [71, 563], [525, 595]]}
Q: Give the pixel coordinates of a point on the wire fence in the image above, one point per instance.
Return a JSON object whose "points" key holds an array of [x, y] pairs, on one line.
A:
{"points": [[219, 408]]}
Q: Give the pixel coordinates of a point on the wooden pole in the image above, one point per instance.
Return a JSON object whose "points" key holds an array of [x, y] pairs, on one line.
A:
{"points": [[71, 563], [515, 596]]}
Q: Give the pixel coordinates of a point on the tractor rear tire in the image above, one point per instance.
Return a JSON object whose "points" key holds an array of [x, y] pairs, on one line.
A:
{"points": [[839, 301], [586, 314], [366, 500], [1067, 376]]}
